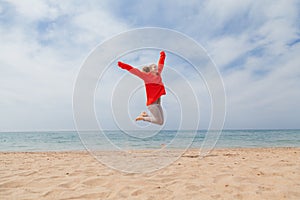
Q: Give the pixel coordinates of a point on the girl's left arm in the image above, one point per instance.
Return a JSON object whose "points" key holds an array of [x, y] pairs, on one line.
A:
{"points": [[161, 61], [132, 70]]}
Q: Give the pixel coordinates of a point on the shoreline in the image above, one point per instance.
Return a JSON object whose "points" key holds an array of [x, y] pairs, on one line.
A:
{"points": [[157, 149], [236, 173]]}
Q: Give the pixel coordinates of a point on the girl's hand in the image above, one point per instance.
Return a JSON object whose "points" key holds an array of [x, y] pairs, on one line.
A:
{"points": [[162, 53], [124, 66]]}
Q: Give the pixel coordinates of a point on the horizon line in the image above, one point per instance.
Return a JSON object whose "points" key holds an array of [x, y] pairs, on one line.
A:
{"points": [[73, 130]]}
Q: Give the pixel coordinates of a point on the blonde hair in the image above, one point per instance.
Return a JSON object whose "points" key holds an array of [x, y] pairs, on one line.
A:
{"points": [[153, 65], [146, 69]]}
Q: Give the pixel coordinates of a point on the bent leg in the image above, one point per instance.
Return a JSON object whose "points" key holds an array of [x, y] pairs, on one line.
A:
{"points": [[157, 116]]}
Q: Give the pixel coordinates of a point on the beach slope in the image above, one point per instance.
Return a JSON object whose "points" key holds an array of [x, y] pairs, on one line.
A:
{"points": [[254, 173]]}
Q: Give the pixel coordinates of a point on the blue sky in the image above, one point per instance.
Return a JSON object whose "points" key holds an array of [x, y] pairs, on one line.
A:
{"points": [[255, 45]]}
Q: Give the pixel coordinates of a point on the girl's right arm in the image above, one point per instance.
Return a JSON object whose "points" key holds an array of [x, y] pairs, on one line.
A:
{"points": [[161, 61], [132, 70]]}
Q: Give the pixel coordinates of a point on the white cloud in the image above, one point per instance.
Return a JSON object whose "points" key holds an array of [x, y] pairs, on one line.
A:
{"points": [[223, 12], [43, 44], [226, 49], [267, 100], [262, 84], [31, 9], [36, 77]]}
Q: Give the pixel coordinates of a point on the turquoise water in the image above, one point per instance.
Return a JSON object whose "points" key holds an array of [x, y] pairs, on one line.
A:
{"points": [[70, 140]]}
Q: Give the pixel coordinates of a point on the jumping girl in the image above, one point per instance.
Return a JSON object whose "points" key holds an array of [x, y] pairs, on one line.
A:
{"points": [[151, 75]]}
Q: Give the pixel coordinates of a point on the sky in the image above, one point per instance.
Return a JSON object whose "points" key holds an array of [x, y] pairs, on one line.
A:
{"points": [[254, 44]]}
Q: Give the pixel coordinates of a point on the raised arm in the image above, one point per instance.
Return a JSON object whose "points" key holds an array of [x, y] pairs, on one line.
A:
{"points": [[132, 70], [161, 61]]}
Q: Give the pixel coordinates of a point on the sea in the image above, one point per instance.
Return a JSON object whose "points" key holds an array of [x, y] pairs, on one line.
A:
{"points": [[39, 141]]}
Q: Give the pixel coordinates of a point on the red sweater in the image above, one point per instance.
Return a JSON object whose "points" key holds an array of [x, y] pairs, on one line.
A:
{"points": [[153, 82]]}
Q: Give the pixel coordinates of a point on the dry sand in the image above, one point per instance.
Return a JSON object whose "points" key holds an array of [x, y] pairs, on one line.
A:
{"points": [[261, 173]]}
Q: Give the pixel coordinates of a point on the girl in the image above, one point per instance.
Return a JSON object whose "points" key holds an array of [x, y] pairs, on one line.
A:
{"points": [[151, 75]]}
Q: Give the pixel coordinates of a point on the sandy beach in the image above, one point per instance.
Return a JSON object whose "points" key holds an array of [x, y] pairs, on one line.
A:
{"points": [[254, 173]]}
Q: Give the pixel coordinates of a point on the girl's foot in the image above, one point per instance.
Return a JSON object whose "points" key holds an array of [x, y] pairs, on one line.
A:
{"points": [[139, 118]]}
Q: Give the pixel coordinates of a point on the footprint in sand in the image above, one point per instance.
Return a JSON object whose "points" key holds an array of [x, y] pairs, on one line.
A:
{"points": [[222, 177], [93, 182], [137, 192]]}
